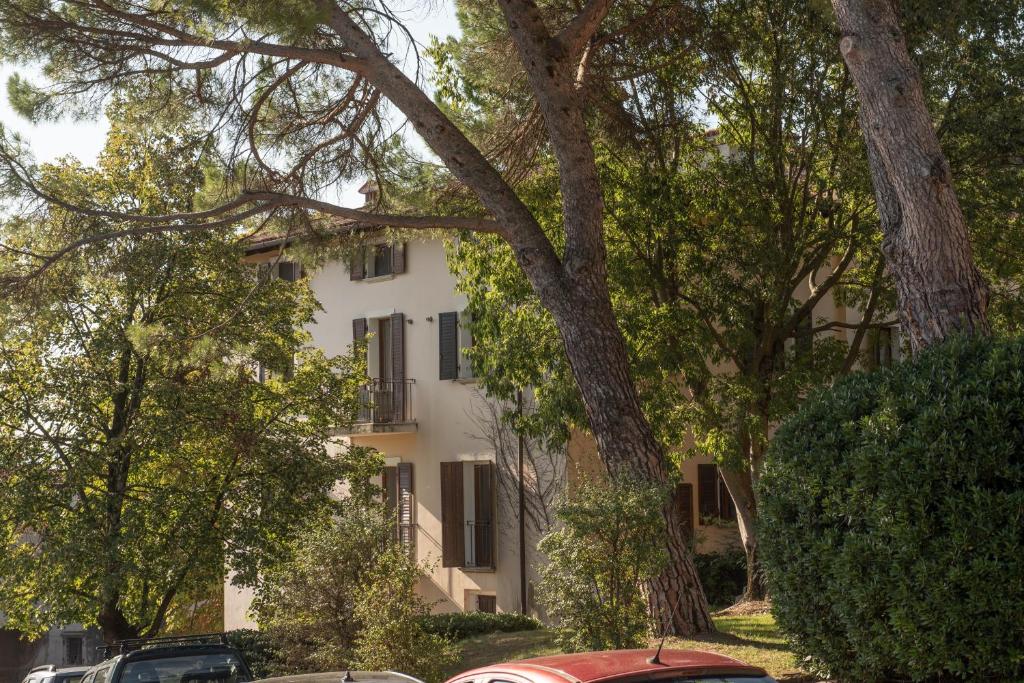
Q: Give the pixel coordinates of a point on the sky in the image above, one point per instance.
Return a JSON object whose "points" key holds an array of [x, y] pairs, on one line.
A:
{"points": [[84, 139]]}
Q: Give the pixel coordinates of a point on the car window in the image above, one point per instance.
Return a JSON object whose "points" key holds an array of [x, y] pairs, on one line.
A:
{"points": [[220, 667], [69, 678]]}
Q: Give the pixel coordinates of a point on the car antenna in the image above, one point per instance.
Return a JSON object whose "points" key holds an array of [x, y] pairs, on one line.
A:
{"points": [[656, 657]]}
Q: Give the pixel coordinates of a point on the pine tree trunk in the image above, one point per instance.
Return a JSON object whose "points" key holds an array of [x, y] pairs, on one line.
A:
{"points": [[926, 242], [600, 364]]}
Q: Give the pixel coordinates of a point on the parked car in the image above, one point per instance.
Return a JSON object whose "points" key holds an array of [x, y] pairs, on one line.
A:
{"points": [[344, 677], [618, 666], [51, 674], [188, 659]]}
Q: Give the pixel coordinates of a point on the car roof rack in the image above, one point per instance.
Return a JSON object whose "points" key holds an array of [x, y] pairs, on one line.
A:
{"points": [[44, 667], [132, 644]]}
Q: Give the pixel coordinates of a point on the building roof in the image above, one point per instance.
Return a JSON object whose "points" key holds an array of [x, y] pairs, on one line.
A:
{"points": [[588, 667]]}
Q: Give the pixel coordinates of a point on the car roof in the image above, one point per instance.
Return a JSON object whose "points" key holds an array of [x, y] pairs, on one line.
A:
{"points": [[587, 667], [345, 677]]}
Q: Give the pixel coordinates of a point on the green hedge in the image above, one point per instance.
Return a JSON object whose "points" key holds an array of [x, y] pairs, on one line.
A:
{"points": [[462, 625], [723, 575], [259, 649], [892, 519]]}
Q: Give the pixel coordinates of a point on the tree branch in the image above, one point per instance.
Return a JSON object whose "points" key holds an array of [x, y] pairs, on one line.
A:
{"points": [[575, 36]]}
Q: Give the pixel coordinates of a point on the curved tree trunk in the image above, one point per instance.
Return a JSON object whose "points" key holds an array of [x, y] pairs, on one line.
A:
{"points": [[600, 364], [742, 492], [926, 242]]}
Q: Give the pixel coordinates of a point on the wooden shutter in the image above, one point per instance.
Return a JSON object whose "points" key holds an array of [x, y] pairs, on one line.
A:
{"points": [[448, 342], [453, 538], [359, 330], [707, 491], [398, 258], [683, 499], [357, 269], [289, 271], [483, 514], [406, 506], [398, 366], [727, 510], [486, 603]]}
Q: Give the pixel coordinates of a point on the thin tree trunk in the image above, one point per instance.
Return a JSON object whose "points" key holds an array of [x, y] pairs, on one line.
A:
{"points": [[742, 493], [926, 242]]}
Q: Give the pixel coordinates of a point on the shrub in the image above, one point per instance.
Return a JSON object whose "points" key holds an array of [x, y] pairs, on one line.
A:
{"points": [[392, 636], [723, 575], [611, 542], [260, 650], [893, 519], [462, 625]]}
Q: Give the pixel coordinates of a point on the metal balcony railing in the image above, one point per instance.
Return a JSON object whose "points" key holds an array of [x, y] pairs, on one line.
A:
{"points": [[386, 401], [481, 544]]}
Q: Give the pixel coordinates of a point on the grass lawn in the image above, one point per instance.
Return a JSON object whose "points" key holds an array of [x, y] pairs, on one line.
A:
{"points": [[751, 638]]}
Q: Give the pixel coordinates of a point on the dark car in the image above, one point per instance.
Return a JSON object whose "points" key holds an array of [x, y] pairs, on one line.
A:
{"points": [[621, 666], [192, 659], [51, 674]]}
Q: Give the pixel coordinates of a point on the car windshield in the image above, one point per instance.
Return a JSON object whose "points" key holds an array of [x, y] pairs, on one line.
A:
{"points": [[70, 678], [221, 667]]}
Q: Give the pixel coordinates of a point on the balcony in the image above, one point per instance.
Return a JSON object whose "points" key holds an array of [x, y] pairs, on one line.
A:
{"points": [[385, 406]]}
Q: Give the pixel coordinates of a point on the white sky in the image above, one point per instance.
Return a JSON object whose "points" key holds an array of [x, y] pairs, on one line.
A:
{"points": [[84, 139]]}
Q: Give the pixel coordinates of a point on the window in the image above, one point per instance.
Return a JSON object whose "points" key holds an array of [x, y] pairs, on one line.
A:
{"points": [[467, 514], [487, 603], [886, 346], [73, 650], [455, 338], [397, 484], [378, 260], [713, 500]]}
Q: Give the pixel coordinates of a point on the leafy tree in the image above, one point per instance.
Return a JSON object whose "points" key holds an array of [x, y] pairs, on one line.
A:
{"points": [[347, 599], [141, 456], [600, 558], [293, 94], [720, 247]]}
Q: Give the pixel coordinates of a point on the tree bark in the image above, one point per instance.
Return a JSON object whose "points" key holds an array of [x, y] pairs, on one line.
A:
{"points": [[597, 353], [926, 242], [113, 624], [742, 492]]}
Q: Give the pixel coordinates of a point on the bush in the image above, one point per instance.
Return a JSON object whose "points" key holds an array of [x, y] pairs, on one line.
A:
{"points": [[392, 636], [723, 575], [260, 650], [462, 625], [610, 544], [892, 517]]}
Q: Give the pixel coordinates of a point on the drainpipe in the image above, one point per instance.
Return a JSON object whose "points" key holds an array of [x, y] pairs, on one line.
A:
{"points": [[522, 512]]}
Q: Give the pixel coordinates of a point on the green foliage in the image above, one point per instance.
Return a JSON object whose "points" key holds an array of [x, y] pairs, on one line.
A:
{"points": [[723, 575], [346, 599], [260, 650], [390, 614], [142, 456], [611, 542], [308, 603], [893, 536], [462, 625]]}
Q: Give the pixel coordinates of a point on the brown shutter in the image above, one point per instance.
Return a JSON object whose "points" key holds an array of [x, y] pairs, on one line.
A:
{"points": [[483, 514], [707, 491], [453, 539], [406, 510], [486, 603], [684, 501], [398, 366], [289, 271], [727, 510], [448, 342], [398, 258], [357, 269]]}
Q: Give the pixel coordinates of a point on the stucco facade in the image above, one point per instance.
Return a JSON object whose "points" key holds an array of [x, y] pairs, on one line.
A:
{"points": [[436, 422]]}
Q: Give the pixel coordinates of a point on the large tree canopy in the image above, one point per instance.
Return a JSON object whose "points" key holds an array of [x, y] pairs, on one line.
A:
{"points": [[141, 456], [292, 94]]}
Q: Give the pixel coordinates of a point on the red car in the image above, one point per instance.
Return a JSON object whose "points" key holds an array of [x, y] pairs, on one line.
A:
{"points": [[620, 666]]}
